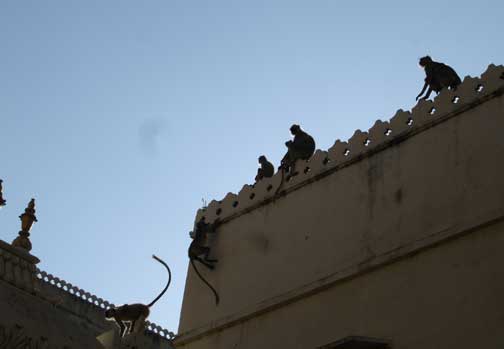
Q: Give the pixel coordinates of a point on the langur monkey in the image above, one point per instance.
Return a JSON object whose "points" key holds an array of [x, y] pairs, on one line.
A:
{"points": [[301, 147], [199, 252], [266, 170], [135, 314], [438, 76]]}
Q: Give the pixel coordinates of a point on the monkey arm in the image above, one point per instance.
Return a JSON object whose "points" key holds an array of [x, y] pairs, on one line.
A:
{"points": [[423, 90], [122, 327], [260, 173], [429, 91]]}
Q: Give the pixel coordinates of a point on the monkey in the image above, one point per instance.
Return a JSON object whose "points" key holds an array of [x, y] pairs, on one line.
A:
{"points": [[267, 169], [199, 252], [438, 76], [135, 314], [301, 147], [2, 201]]}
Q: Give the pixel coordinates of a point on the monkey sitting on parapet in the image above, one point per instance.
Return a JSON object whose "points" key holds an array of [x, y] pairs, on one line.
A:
{"points": [[301, 147], [2, 201], [199, 252], [135, 314], [266, 170], [438, 76]]}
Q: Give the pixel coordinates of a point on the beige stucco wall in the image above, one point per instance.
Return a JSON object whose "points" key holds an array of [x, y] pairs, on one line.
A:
{"points": [[314, 264], [41, 321], [449, 296]]}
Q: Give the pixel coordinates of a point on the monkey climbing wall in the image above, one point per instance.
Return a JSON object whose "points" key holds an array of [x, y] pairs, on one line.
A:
{"points": [[421, 178]]}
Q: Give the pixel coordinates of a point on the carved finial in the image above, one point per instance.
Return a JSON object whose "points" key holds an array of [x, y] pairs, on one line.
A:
{"points": [[27, 220], [2, 201]]}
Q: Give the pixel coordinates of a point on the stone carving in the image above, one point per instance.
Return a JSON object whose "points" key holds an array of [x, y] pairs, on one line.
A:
{"points": [[17, 267], [27, 220], [400, 125], [74, 291]]}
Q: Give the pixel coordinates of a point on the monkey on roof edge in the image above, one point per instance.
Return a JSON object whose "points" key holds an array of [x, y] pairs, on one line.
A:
{"points": [[301, 147], [135, 314], [266, 170], [438, 76]]}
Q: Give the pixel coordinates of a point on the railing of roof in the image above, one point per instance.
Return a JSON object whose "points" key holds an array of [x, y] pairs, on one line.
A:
{"points": [[96, 301], [473, 90]]}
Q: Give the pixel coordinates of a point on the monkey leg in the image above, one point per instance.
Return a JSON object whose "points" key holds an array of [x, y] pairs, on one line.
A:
{"points": [[138, 325], [122, 328], [205, 263], [429, 91], [284, 163], [207, 259], [292, 156], [259, 175]]}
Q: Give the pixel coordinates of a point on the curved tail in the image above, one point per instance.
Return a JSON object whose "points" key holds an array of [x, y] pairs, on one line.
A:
{"points": [[217, 299], [167, 285]]}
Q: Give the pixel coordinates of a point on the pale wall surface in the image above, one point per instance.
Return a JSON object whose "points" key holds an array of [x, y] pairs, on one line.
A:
{"points": [[434, 180], [449, 296]]}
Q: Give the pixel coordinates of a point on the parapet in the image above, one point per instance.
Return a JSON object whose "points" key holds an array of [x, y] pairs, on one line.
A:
{"points": [[75, 299], [41, 308], [449, 103]]}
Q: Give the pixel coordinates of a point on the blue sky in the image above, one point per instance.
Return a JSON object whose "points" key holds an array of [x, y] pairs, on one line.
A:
{"points": [[119, 117]]}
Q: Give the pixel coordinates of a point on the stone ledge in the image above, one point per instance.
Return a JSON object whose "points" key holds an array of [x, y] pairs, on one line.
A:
{"points": [[18, 252], [17, 267]]}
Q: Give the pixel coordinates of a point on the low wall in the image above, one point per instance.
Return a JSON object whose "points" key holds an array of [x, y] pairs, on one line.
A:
{"points": [[38, 310]]}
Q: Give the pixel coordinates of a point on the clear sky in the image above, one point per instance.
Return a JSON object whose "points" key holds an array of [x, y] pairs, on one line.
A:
{"points": [[119, 117]]}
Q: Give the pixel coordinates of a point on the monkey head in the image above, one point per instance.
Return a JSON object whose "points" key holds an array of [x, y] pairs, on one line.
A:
{"points": [[295, 129], [424, 61], [262, 159], [110, 313]]}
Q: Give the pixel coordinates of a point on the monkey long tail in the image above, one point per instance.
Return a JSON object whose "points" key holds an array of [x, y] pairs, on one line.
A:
{"points": [[217, 299], [167, 285]]}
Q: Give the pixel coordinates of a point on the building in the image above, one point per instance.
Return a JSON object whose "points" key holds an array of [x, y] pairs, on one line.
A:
{"points": [[393, 239], [41, 311]]}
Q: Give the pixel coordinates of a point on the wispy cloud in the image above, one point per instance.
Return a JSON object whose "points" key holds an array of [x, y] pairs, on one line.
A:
{"points": [[150, 132]]}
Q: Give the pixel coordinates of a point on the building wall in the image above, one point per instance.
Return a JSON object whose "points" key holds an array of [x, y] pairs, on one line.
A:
{"points": [[338, 250], [448, 296], [40, 311]]}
